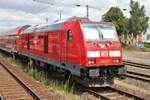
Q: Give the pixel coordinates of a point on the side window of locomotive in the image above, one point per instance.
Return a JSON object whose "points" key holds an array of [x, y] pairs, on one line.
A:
{"points": [[69, 35]]}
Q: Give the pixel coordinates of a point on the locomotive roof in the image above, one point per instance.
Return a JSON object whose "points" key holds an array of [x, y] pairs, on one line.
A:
{"points": [[45, 28], [57, 25]]}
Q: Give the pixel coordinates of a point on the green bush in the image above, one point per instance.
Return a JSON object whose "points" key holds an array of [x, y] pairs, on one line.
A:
{"points": [[147, 45]]}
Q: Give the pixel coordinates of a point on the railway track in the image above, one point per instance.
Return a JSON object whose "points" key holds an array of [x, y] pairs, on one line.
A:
{"points": [[136, 75], [33, 87], [144, 66], [111, 93], [16, 86]]}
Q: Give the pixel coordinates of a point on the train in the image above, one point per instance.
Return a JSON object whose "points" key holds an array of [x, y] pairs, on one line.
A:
{"points": [[88, 51]]}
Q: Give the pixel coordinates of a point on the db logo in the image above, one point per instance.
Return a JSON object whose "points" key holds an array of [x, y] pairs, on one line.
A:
{"points": [[104, 53]]}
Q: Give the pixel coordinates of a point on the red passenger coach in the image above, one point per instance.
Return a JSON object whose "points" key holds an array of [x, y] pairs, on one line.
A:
{"points": [[89, 51], [10, 40]]}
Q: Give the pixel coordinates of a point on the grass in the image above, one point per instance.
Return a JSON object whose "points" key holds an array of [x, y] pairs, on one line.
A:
{"points": [[60, 87], [63, 88], [131, 48], [134, 48], [147, 45]]}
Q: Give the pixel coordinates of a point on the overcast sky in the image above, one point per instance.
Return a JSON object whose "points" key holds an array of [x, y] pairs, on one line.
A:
{"points": [[14, 13]]}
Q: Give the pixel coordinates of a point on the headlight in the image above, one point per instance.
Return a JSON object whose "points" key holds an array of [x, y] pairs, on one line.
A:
{"points": [[92, 61], [116, 60]]}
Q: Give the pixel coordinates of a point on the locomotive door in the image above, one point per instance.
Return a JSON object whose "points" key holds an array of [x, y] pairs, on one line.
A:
{"points": [[66, 41], [63, 46], [46, 44]]}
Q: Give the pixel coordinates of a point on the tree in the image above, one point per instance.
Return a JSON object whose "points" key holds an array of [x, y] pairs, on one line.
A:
{"points": [[138, 21], [116, 16]]}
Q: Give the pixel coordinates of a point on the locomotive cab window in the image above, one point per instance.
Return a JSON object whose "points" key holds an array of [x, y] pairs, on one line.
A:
{"points": [[69, 35], [100, 32]]}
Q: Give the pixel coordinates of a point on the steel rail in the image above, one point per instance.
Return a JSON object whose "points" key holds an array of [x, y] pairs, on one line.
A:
{"points": [[97, 94], [145, 66], [136, 97], [138, 76], [28, 89], [91, 91], [135, 75], [107, 97]]}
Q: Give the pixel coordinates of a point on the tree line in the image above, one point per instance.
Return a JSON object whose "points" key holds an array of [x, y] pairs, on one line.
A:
{"points": [[128, 28]]}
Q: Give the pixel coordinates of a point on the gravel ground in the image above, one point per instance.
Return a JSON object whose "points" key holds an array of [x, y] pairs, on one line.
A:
{"points": [[137, 56], [137, 83], [132, 89], [87, 96]]}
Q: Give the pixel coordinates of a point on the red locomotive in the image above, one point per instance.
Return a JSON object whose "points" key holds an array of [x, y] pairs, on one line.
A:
{"points": [[89, 51]]}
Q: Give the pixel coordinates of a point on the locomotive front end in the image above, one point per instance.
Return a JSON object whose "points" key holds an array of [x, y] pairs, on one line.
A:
{"points": [[103, 54]]}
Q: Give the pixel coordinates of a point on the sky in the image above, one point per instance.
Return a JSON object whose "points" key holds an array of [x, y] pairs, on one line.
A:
{"points": [[15, 13]]}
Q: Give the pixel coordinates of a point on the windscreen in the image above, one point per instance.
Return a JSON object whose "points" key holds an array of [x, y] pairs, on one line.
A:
{"points": [[99, 32]]}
